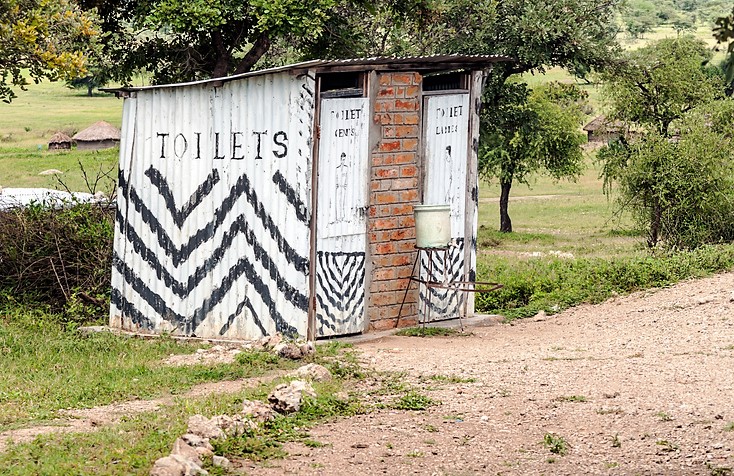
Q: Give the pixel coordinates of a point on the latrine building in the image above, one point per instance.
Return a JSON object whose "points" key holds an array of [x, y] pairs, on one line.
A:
{"points": [[282, 200]]}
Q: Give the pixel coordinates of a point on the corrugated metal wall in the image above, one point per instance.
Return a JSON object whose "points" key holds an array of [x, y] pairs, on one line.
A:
{"points": [[214, 209], [342, 216], [446, 128]]}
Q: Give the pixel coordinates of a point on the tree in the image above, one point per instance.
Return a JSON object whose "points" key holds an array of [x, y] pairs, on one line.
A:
{"points": [[46, 38], [655, 85], [528, 132], [724, 32], [181, 40], [650, 89]]}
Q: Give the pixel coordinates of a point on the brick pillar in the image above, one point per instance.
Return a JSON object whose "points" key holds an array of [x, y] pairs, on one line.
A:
{"points": [[394, 189]]}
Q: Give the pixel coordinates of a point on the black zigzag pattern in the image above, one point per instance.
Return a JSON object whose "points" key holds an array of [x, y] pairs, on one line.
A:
{"points": [[340, 279], [443, 303], [187, 324]]}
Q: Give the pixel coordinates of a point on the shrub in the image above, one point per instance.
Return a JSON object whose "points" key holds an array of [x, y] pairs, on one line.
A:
{"points": [[60, 258]]}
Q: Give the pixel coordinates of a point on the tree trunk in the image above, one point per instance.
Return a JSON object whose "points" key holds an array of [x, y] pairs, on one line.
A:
{"points": [[223, 56], [505, 222], [261, 46], [90, 90], [656, 216]]}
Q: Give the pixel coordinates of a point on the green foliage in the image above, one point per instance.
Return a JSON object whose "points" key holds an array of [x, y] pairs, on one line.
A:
{"points": [[653, 86], [429, 331], [724, 32], [46, 39], [556, 444], [413, 401], [552, 285], [59, 257], [683, 189]]}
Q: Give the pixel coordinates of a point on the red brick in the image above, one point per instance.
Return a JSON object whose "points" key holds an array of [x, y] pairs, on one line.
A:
{"points": [[410, 144], [382, 324], [402, 260], [403, 246], [383, 248], [385, 79], [384, 118], [406, 158], [407, 321], [403, 184], [410, 118], [386, 298], [393, 285], [402, 210], [411, 91], [384, 211], [389, 146], [375, 185], [385, 223], [406, 131], [389, 132], [406, 79], [408, 170], [386, 197], [402, 234], [386, 172], [384, 274], [386, 91], [406, 222], [403, 271], [405, 105], [417, 78], [384, 105]]}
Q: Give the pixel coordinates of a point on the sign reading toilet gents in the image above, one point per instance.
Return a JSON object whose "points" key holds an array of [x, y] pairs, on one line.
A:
{"points": [[237, 145]]}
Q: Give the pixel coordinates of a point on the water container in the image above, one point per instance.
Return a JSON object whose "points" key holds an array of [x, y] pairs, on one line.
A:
{"points": [[432, 226]]}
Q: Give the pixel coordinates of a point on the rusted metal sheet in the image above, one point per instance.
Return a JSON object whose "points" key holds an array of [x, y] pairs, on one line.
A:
{"points": [[214, 208], [446, 127], [343, 178]]}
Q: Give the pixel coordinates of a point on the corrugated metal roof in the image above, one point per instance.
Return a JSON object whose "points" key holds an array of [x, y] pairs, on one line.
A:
{"points": [[413, 63]]}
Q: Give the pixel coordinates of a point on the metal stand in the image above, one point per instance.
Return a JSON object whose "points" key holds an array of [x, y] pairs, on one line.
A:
{"points": [[444, 283]]}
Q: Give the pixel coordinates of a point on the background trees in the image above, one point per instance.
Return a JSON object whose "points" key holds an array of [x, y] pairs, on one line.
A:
{"points": [[48, 39]]}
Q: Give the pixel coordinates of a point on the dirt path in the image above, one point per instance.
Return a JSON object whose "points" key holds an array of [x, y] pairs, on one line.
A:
{"points": [[637, 385]]}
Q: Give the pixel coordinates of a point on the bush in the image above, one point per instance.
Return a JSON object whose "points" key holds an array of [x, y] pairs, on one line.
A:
{"points": [[556, 284], [60, 258]]}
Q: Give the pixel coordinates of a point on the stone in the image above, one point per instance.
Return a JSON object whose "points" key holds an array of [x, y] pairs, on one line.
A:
{"points": [[51, 172], [308, 348], [197, 441], [168, 466], [315, 372], [202, 426], [186, 451], [270, 342], [287, 398], [288, 351], [233, 426], [257, 410], [221, 462]]}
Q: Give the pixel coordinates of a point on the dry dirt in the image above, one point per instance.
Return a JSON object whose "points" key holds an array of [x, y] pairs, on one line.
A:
{"points": [[638, 385]]}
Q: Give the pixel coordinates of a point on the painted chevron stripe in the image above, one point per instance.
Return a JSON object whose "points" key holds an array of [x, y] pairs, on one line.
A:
{"points": [[443, 303], [292, 196], [180, 216], [340, 278]]}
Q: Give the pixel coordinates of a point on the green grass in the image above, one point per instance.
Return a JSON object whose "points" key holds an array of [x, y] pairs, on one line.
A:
{"points": [[47, 367], [556, 444], [427, 332]]}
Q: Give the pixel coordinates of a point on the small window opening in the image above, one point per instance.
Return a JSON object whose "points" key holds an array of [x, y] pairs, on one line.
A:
{"points": [[446, 81], [342, 84]]}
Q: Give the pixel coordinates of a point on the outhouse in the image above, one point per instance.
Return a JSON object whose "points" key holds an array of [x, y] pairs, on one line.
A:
{"points": [[282, 200]]}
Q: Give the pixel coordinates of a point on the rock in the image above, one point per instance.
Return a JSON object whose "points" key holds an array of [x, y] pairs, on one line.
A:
{"points": [[288, 351], [307, 348], [269, 342], [257, 410], [51, 172], [202, 426], [186, 451], [221, 462], [316, 372], [233, 426], [540, 316], [167, 466], [287, 398], [197, 441]]}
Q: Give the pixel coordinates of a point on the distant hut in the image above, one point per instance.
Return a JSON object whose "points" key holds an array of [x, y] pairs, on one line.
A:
{"points": [[59, 141], [100, 135], [602, 130]]}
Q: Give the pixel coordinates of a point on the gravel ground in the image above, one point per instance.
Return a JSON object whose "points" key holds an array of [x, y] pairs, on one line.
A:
{"points": [[642, 384]]}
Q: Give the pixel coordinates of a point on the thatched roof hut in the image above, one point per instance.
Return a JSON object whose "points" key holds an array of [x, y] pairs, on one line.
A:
{"points": [[59, 141], [100, 135], [602, 129]]}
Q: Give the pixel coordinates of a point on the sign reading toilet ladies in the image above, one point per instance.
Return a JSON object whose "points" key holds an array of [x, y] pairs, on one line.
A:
{"points": [[237, 145]]}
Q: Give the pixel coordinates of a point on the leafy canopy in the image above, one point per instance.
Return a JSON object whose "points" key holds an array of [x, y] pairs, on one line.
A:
{"points": [[48, 38]]}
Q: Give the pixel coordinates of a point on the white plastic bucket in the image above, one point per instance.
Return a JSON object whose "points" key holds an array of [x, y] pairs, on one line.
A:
{"points": [[432, 226]]}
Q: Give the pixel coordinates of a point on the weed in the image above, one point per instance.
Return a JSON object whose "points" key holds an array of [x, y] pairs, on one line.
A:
{"points": [[667, 446], [616, 442], [389, 445], [729, 426], [663, 416], [313, 443], [430, 428], [427, 332], [550, 460], [611, 464], [572, 398], [610, 411], [429, 442], [719, 470], [556, 444], [451, 379], [415, 454], [413, 401]]}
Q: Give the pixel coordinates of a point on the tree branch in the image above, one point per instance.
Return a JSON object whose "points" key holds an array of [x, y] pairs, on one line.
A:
{"points": [[261, 46]]}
